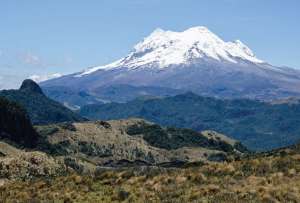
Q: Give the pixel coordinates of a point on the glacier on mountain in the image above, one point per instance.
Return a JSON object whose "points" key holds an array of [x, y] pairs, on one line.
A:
{"points": [[165, 48]]}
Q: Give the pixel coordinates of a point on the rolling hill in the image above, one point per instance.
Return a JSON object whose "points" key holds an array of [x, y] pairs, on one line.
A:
{"points": [[134, 142]]}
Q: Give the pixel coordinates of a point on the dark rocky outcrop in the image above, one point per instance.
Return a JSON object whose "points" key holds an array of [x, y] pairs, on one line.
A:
{"points": [[31, 86]]}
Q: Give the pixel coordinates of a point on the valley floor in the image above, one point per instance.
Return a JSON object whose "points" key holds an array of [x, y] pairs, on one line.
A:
{"points": [[272, 177]]}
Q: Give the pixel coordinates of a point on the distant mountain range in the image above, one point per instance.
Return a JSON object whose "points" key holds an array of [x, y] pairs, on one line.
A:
{"points": [[74, 98], [41, 109], [258, 125], [194, 60]]}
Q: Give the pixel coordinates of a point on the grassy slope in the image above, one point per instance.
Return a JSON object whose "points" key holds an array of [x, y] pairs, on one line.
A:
{"points": [[135, 140], [272, 177]]}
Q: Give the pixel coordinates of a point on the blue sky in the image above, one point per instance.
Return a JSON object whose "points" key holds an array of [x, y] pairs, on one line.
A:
{"points": [[65, 36]]}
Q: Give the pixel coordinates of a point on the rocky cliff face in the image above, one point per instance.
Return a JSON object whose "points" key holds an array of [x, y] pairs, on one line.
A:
{"points": [[31, 86]]}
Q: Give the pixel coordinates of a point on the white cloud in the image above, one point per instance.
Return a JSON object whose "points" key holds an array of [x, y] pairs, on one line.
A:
{"points": [[31, 59], [41, 78]]}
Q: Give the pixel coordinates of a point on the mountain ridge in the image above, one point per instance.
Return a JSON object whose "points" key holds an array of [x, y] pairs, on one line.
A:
{"points": [[39, 107], [258, 125]]}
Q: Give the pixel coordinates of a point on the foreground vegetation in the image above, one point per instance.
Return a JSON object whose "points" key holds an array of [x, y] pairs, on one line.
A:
{"points": [[273, 177]]}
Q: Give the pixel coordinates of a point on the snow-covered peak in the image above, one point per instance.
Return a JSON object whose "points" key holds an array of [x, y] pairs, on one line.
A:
{"points": [[162, 49], [172, 40]]}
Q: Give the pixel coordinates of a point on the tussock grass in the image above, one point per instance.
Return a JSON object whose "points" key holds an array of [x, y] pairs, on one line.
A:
{"points": [[262, 179]]}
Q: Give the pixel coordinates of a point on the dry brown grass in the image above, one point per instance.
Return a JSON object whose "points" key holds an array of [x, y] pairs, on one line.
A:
{"points": [[263, 179]]}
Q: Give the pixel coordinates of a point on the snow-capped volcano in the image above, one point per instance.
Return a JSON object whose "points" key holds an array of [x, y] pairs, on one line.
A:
{"points": [[196, 60], [165, 48]]}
